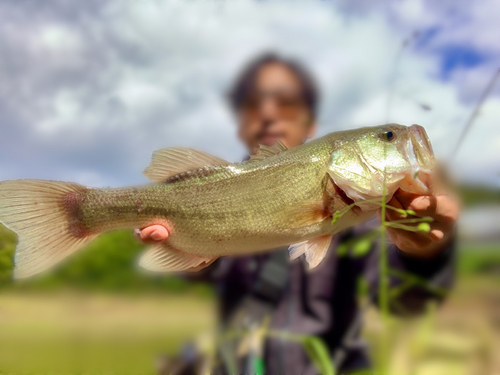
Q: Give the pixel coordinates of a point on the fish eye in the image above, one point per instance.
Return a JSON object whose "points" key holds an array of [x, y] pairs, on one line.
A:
{"points": [[388, 135]]}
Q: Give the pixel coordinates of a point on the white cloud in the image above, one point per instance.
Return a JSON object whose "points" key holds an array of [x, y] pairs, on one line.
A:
{"points": [[60, 39], [91, 92]]}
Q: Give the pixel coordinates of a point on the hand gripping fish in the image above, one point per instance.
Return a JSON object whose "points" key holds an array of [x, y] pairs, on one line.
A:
{"points": [[213, 208]]}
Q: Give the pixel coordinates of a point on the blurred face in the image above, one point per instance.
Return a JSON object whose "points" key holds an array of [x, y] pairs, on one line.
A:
{"points": [[275, 110]]}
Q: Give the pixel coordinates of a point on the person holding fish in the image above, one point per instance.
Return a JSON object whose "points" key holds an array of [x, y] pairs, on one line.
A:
{"points": [[289, 196], [275, 101]]}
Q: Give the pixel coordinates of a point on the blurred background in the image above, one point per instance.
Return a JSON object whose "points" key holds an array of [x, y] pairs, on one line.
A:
{"points": [[88, 90]]}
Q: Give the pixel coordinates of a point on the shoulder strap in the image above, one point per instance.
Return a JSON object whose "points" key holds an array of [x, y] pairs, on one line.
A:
{"points": [[266, 291], [273, 278], [258, 303]]}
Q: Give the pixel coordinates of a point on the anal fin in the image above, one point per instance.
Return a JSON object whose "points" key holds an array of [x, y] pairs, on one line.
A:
{"points": [[315, 250], [164, 258]]}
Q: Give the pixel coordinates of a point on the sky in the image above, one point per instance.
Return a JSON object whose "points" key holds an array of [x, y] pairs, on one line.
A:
{"points": [[88, 90]]}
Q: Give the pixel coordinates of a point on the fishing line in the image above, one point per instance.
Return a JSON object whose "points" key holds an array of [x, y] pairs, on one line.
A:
{"points": [[474, 113], [393, 78]]}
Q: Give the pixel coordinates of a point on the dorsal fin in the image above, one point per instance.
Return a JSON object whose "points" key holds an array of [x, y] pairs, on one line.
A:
{"points": [[172, 161], [266, 151]]}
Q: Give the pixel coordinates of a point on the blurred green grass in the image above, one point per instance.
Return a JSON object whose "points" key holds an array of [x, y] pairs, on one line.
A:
{"points": [[66, 333], [96, 313]]}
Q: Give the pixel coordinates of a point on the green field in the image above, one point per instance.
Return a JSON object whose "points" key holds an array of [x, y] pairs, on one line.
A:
{"points": [[94, 334], [96, 314], [108, 334]]}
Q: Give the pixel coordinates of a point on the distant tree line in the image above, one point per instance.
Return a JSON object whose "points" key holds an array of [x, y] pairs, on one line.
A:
{"points": [[109, 263], [473, 195]]}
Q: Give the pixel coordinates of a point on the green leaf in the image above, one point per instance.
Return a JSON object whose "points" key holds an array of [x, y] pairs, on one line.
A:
{"points": [[343, 249], [362, 246], [317, 351]]}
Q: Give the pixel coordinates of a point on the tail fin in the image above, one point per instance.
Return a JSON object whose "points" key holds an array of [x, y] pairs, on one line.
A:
{"points": [[39, 212]]}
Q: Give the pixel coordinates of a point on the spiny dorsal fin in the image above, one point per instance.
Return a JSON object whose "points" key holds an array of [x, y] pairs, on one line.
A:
{"points": [[172, 161], [266, 151]]}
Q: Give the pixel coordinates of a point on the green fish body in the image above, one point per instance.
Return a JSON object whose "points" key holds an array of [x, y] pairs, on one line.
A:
{"points": [[213, 208]]}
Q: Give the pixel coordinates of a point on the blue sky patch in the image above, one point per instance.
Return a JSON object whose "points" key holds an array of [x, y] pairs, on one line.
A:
{"points": [[453, 57]]}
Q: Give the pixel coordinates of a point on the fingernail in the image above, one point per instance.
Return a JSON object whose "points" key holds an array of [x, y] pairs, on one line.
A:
{"points": [[137, 232], [156, 236]]}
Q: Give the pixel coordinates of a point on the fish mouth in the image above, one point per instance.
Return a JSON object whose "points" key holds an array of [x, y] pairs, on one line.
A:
{"points": [[421, 138], [346, 199], [422, 160], [423, 154]]}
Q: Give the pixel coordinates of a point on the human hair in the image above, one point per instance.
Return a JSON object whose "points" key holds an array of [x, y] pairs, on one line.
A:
{"points": [[245, 82]]}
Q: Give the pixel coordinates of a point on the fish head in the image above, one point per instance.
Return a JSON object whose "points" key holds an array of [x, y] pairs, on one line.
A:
{"points": [[366, 159]]}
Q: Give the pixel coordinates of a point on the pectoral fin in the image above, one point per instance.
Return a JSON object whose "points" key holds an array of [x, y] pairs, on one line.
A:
{"points": [[315, 250], [164, 258]]}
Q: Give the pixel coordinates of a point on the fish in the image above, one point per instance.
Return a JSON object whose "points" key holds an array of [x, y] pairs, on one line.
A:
{"points": [[213, 208]]}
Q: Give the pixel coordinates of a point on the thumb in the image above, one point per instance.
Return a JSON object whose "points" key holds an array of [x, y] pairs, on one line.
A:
{"points": [[152, 234]]}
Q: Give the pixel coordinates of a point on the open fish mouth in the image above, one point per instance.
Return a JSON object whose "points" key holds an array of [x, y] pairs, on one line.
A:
{"points": [[346, 199], [420, 136], [422, 159]]}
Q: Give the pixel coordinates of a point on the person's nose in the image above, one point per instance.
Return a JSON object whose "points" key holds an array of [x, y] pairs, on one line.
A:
{"points": [[268, 110]]}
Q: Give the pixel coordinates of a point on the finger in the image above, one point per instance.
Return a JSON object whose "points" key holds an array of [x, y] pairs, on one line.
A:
{"points": [[392, 215], [448, 209], [419, 243], [423, 205], [408, 241], [405, 197], [153, 234], [440, 231], [440, 207]]}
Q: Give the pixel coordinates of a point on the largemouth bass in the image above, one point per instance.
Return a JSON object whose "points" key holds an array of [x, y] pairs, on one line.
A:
{"points": [[213, 208]]}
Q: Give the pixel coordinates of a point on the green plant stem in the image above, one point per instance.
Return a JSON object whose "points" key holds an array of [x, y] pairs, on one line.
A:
{"points": [[401, 226], [337, 215], [384, 288], [416, 220]]}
